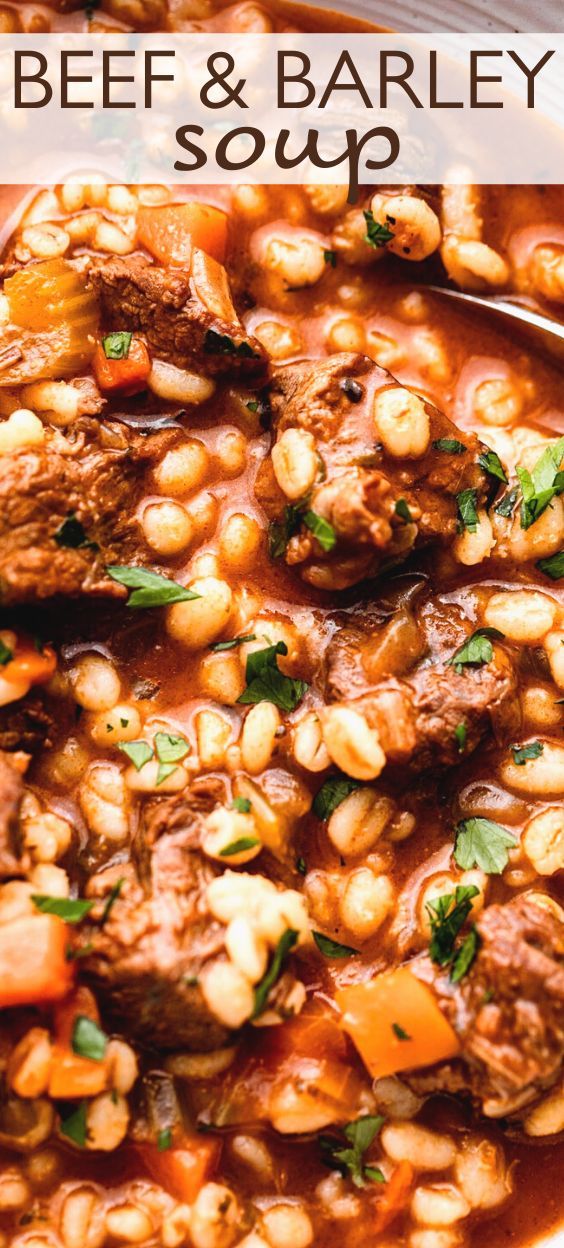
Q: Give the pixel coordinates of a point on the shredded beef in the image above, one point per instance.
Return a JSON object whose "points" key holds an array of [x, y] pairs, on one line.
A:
{"points": [[11, 792]]}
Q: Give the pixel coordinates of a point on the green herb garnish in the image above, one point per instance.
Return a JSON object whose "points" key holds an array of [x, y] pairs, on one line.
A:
{"points": [[74, 1127], [280, 531], [88, 1039], [6, 655], [288, 939], [71, 909], [506, 505], [222, 344], [231, 645], [467, 503], [402, 510], [321, 529], [71, 534], [450, 446], [377, 235], [492, 464], [484, 844], [476, 650], [460, 736], [138, 752], [164, 1140], [332, 792], [553, 566], [333, 948], [116, 346], [330, 257], [399, 1032], [150, 589], [239, 846], [242, 804], [350, 1161], [522, 753], [266, 683], [542, 484], [447, 915]]}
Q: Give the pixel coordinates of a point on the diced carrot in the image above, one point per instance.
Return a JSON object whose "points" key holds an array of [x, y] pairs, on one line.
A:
{"points": [[396, 1023], [315, 1034], [31, 665], [72, 1075], [392, 1196], [170, 231], [183, 1169], [128, 374], [33, 963]]}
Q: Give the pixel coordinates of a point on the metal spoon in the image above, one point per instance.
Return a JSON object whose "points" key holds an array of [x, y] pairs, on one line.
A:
{"points": [[546, 333]]}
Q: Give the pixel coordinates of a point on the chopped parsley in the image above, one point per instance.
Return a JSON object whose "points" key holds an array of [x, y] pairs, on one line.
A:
{"points": [[476, 650], [450, 446], [222, 344], [266, 683], [399, 1032], [280, 531], [507, 504], [330, 257], [349, 1160], [333, 948], [288, 939], [72, 534], [6, 655], [460, 736], [150, 589], [170, 749], [553, 566], [492, 464], [242, 804], [377, 235], [74, 1127], [71, 909], [111, 900], [467, 503], [231, 645], [301, 866], [541, 484], [522, 753], [239, 846], [484, 844], [447, 915], [116, 346], [321, 529], [332, 792], [138, 752], [402, 510], [465, 955], [88, 1039], [164, 1140]]}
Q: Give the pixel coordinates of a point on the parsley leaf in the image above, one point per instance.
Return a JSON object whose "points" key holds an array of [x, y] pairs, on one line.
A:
{"points": [[482, 843], [301, 866], [164, 1140], [231, 645], [111, 900], [266, 683], [377, 235], [163, 771], [492, 464], [138, 752], [506, 505], [447, 914], [222, 344], [239, 847], [332, 792], [399, 1032], [116, 346], [360, 1135], [71, 534], [74, 1127], [170, 748], [150, 589], [553, 566], [476, 650], [242, 804], [321, 529], [460, 736], [467, 502], [6, 655], [280, 531], [522, 753], [333, 948], [450, 446], [71, 909], [464, 956], [88, 1039], [330, 257], [542, 484], [402, 510], [288, 939]]}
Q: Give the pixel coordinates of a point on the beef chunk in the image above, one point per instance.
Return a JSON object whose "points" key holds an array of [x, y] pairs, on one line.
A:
{"points": [[359, 484], [11, 793], [508, 1011], [147, 958], [25, 724], [392, 666], [186, 319], [91, 476]]}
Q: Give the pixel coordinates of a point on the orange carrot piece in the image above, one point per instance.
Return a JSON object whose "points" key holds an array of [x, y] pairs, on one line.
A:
{"points": [[128, 375], [71, 1074], [33, 963], [183, 1169], [170, 231], [396, 1023], [392, 1197], [31, 665]]}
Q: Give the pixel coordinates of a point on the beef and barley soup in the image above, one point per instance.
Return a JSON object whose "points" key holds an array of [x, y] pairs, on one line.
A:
{"points": [[281, 707]]}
